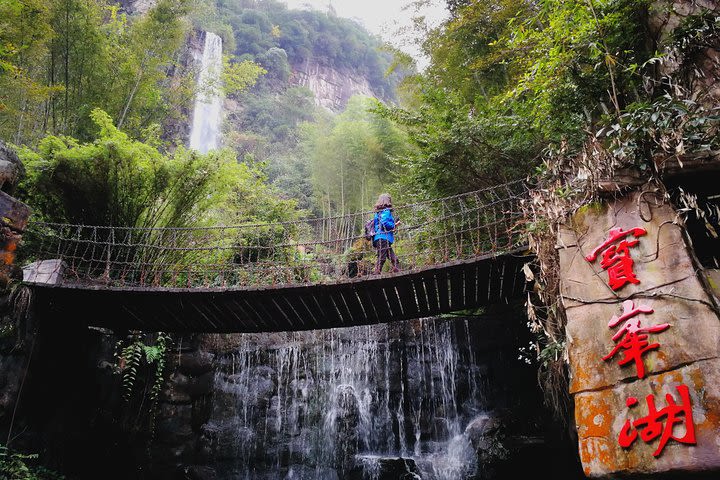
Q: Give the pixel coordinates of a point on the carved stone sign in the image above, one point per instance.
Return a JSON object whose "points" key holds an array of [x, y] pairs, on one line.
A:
{"points": [[643, 341]]}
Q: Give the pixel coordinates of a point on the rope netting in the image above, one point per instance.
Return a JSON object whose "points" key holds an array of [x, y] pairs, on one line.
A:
{"points": [[304, 251]]}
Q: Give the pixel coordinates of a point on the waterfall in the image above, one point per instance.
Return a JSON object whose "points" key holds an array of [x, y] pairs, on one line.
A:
{"points": [[208, 104], [347, 403]]}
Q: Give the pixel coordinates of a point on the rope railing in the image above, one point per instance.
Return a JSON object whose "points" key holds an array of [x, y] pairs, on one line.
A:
{"points": [[313, 250]]}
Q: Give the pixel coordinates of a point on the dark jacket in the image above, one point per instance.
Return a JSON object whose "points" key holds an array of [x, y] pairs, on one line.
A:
{"points": [[384, 226]]}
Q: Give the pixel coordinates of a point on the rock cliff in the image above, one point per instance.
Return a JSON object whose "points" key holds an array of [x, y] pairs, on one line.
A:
{"points": [[137, 6], [332, 88]]}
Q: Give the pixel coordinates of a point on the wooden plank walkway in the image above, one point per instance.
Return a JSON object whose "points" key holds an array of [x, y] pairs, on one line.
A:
{"points": [[445, 288]]}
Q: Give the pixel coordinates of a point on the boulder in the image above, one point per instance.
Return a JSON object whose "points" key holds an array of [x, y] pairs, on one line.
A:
{"points": [[11, 169], [482, 426], [669, 292], [195, 363]]}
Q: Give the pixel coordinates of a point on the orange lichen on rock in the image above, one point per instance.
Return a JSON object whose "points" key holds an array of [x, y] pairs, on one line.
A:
{"points": [[594, 416], [8, 252]]}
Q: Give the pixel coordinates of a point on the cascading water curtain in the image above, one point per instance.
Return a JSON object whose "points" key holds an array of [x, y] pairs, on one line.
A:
{"points": [[205, 131]]}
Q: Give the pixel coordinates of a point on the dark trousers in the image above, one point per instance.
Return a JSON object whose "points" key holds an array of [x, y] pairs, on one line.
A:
{"points": [[385, 251]]}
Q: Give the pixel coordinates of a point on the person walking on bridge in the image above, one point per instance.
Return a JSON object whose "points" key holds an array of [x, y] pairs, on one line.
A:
{"points": [[384, 238]]}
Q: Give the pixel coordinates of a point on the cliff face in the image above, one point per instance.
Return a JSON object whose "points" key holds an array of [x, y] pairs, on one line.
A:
{"points": [[177, 127], [667, 15], [137, 6], [332, 88]]}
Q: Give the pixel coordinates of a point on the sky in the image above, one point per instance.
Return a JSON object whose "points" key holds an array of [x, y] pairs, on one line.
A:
{"points": [[382, 17]]}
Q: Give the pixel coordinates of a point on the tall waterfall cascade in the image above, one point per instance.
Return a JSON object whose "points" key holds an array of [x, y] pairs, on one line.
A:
{"points": [[206, 121]]}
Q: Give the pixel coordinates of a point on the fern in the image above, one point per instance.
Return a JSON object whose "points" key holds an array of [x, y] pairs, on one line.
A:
{"points": [[138, 354], [132, 357]]}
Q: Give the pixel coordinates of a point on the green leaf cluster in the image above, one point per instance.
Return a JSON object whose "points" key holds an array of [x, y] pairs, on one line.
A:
{"points": [[20, 466], [507, 79], [239, 76], [350, 156], [146, 358], [61, 59], [115, 180]]}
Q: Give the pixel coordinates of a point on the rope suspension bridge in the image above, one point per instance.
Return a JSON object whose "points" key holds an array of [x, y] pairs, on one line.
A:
{"points": [[455, 253]]}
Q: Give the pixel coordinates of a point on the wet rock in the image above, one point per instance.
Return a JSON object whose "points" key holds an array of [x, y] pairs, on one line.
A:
{"points": [[11, 368], [201, 411], [197, 472], [174, 430], [304, 472], [175, 396], [202, 385], [225, 440], [344, 426], [178, 380], [196, 363], [385, 468], [169, 410], [481, 427], [485, 435]]}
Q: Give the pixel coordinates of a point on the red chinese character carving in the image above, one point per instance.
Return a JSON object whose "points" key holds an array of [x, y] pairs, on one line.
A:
{"points": [[616, 259], [633, 336], [652, 426]]}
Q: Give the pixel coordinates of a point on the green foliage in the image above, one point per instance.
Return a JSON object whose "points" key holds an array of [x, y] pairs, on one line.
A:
{"points": [[118, 181], [147, 359], [459, 147], [667, 126], [350, 156], [462, 51], [130, 361], [690, 41], [583, 58], [19, 466], [264, 28], [508, 79], [141, 364], [25, 33], [268, 123], [259, 205], [61, 59], [149, 46], [239, 76], [123, 182], [205, 17]]}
